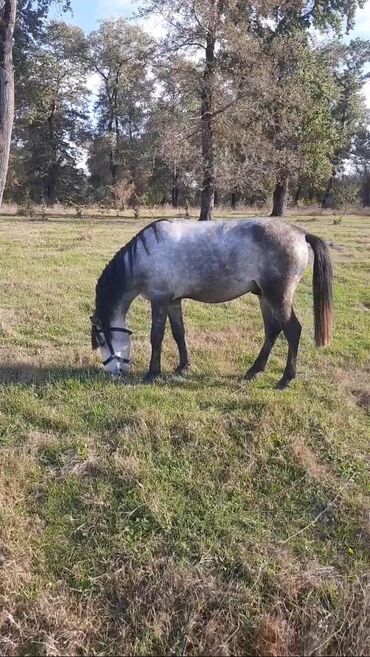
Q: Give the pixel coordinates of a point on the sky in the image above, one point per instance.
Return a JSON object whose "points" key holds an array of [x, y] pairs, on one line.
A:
{"points": [[86, 14]]}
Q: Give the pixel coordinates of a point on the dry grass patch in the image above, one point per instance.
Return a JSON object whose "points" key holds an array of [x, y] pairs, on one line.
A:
{"points": [[307, 458], [355, 382]]}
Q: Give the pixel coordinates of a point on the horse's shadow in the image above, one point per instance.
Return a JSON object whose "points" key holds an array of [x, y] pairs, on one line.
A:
{"points": [[25, 374]]}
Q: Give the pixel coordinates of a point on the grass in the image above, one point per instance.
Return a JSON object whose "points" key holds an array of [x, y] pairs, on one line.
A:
{"points": [[198, 516]]}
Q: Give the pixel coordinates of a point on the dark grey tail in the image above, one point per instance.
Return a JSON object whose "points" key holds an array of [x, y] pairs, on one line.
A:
{"points": [[322, 290]]}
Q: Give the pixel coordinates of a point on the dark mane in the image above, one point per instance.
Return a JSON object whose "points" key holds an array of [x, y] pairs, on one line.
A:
{"points": [[113, 282]]}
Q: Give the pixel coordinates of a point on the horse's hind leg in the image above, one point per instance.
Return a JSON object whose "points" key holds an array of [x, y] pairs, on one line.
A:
{"points": [[272, 330], [292, 331], [178, 332]]}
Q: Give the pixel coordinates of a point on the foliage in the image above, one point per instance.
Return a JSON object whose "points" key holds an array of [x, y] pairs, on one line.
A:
{"points": [[361, 156], [119, 53], [52, 118], [281, 107]]}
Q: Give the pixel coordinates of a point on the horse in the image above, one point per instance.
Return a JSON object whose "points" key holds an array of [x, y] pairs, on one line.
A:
{"points": [[211, 262]]}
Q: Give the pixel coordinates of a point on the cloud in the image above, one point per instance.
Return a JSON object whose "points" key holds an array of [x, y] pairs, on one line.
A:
{"points": [[153, 24], [116, 8], [362, 24], [93, 83], [363, 16]]}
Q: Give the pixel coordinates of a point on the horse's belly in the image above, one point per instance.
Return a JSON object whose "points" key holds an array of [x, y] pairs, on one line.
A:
{"points": [[217, 293]]}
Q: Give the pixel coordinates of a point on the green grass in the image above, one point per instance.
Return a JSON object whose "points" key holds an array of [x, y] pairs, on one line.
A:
{"points": [[197, 516]]}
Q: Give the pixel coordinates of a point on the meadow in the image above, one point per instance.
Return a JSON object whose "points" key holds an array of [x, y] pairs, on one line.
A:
{"points": [[203, 515]]}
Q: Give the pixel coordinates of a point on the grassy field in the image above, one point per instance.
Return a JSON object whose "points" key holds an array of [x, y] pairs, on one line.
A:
{"points": [[196, 516]]}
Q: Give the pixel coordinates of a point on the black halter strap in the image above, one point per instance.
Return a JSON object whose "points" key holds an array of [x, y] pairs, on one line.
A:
{"points": [[115, 328], [113, 355]]}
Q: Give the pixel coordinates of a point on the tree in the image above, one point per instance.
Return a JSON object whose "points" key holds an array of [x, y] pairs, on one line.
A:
{"points": [[7, 26], [119, 53], [349, 112], [17, 31], [175, 143], [52, 116], [210, 25], [361, 158], [195, 27], [285, 22], [208, 30], [301, 128]]}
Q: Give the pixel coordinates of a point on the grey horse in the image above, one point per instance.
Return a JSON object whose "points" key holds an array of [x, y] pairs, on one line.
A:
{"points": [[212, 262]]}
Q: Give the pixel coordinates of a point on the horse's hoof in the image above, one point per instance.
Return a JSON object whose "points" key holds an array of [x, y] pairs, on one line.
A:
{"points": [[250, 375], [150, 377], [182, 370], [283, 384]]}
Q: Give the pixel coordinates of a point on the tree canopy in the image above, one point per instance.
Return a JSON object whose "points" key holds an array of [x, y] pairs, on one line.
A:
{"points": [[236, 103]]}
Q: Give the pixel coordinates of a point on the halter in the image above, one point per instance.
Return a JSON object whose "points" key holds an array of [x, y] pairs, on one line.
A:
{"points": [[113, 355]]}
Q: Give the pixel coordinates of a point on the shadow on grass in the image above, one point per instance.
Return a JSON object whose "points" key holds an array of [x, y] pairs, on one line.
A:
{"points": [[26, 374], [23, 373]]}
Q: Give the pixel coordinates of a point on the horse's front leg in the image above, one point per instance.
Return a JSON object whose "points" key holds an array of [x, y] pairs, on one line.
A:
{"points": [[159, 316], [178, 332]]}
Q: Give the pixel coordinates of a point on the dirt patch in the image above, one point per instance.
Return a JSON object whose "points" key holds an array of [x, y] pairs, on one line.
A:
{"points": [[307, 458], [37, 441], [356, 383], [274, 637], [90, 468], [362, 398]]}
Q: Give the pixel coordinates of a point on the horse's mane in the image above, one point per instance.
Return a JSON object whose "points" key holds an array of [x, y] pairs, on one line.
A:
{"points": [[113, 282]]}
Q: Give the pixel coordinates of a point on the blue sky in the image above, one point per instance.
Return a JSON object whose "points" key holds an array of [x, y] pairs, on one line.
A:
{"points": [[86, 13]]}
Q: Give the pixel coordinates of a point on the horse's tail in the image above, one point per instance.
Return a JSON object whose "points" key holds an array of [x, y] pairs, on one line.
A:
{"points": [[322, 290]]}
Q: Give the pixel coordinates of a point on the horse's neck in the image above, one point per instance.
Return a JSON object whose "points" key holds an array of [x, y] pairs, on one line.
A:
{"points": [[118, 319], [119, 315]]}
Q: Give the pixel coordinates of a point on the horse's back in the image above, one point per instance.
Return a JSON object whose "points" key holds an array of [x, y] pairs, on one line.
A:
{"points": [[238, 238], [258, 229]]}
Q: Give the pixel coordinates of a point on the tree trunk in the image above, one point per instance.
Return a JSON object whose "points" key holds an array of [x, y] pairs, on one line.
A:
{"points": [[113, 132], [112, 153], [326, 201], [208, 190], [233, 200], [365, 192], [175, 197], [7, 23], [175, 188], [279, 198], [50, 184], [298, 194]]}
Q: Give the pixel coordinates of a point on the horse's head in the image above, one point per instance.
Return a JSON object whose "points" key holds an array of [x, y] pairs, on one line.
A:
{"points": [[114, 343]]}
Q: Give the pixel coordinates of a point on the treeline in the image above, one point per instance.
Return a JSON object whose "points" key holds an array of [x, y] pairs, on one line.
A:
{"points": [[238, 103]]}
